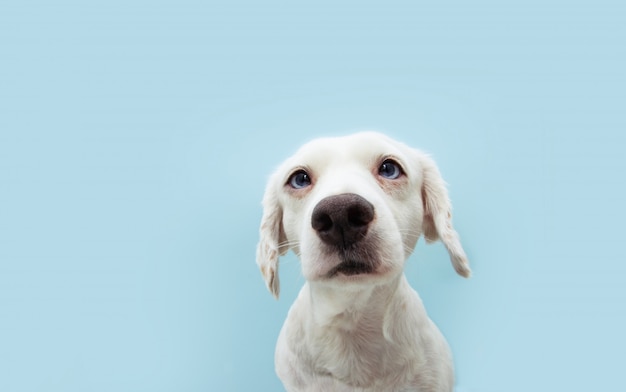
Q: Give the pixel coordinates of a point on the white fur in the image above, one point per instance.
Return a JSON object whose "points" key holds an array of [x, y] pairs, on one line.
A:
{"points": [[366, 332]]}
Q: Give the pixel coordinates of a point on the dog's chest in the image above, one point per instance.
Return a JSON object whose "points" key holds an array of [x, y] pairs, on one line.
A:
{"points": [[358, 357]]}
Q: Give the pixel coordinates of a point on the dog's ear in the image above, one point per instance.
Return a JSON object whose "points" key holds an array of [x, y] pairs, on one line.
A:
{"points": [[437, 223], [272, 238]]}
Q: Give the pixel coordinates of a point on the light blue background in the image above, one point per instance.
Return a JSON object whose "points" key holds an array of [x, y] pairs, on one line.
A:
{"points": [[136, 138]]}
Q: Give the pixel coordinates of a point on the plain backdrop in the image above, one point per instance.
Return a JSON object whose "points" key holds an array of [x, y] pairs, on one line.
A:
{"points": [[136, 138]]}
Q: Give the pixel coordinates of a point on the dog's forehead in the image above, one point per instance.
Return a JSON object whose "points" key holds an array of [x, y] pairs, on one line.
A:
{"points": [[361, 147]]}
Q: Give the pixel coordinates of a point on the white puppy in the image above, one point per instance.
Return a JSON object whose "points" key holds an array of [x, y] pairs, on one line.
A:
{"points": [[352, 208]]}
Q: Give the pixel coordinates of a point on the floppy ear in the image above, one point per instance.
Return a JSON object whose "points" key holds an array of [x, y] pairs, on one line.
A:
{"points": [[272, 236], [437, 223]]}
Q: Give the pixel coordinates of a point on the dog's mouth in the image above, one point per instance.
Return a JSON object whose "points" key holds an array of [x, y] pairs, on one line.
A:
{"points": [[352, 267]]}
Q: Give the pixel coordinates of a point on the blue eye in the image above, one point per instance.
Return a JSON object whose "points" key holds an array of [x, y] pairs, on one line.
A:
{"points": [[299, 180], [389, 169]]}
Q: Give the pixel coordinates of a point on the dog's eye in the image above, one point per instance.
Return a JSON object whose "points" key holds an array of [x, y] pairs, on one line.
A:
{"points": [[389, 169], [299, 180]]}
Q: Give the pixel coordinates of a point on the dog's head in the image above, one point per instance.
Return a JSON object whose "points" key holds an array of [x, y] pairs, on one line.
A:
{"points": [[352, 208]]}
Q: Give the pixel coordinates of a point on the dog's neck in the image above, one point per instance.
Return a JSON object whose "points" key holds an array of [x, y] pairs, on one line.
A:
{"points": [[349, 306]]}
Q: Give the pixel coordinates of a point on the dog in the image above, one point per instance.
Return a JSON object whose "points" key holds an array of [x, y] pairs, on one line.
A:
{"points": [[352, 209]]}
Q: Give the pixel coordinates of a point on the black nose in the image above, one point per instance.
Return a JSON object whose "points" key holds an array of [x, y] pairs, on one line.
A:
{"points": [[342, 220]]}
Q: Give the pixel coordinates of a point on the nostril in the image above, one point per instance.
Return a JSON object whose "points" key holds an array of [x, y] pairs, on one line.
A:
{"points": [[360, 214], [321, 222]]}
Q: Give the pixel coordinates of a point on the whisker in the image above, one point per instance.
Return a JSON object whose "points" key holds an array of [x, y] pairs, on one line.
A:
{"points": [[408, 249], [410, 231], [289, 243]]}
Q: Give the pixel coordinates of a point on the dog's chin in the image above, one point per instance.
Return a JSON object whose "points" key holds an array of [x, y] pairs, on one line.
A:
{"points": [[352, 268]]}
